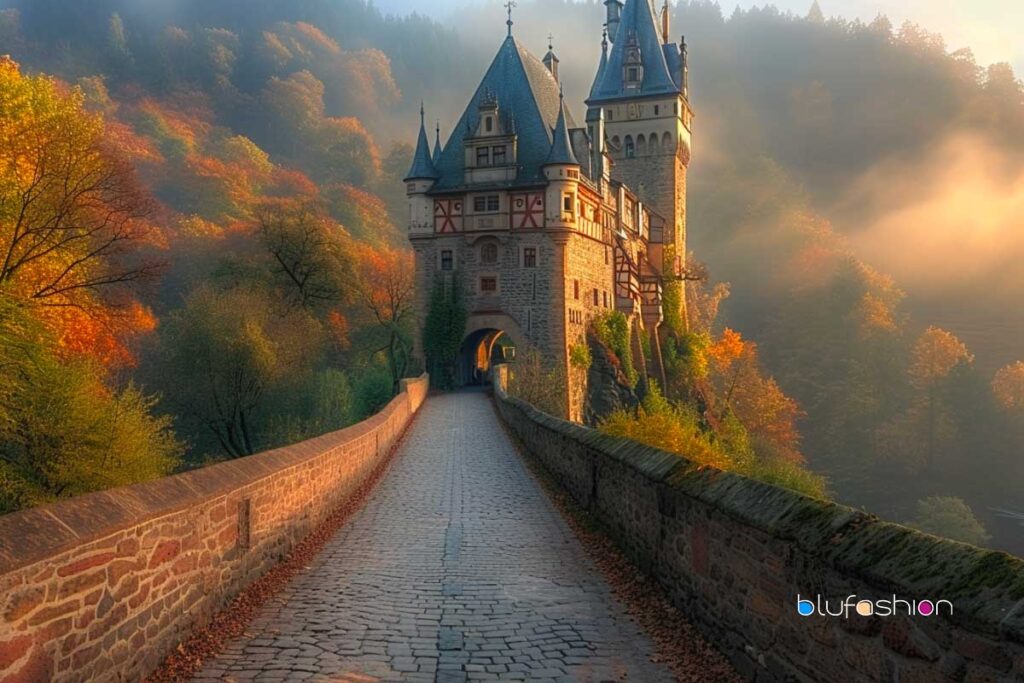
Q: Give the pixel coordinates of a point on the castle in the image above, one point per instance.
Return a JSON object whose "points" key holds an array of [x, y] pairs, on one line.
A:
{"points": [[549, 223]]}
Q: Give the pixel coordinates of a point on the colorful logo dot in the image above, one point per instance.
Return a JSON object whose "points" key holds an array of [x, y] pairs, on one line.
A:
{"points": [[925, 608], [865, 608]]}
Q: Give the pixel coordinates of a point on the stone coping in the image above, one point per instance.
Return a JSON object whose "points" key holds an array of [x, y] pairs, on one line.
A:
{"points": [[31, 535], [986, 586]]}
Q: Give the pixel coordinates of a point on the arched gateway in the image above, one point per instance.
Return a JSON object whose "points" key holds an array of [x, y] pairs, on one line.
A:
{"points": [[548, 224]]}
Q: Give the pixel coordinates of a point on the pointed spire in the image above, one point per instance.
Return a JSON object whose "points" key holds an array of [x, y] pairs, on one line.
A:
{"points": [[510, 5], [422, 166], [603, 65], [437, 147], [561, 144]]}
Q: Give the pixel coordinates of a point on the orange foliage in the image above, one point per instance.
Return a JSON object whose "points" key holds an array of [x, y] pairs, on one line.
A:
{"points": [[1008, 386], [729, 348], [339, 327], [935, 355], [100, 333]]}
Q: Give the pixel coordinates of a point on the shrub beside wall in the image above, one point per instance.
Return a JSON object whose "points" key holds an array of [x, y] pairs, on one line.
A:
{"points": [[101, 587], [734, 553]]}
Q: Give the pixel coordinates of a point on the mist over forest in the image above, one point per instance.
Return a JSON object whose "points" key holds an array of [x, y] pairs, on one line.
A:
{"points": [[856, 191]]}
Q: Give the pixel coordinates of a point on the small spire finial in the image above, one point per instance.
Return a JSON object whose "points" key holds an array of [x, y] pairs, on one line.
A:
{"points": [[423, 114], [604, 37], [510, 5], [551, 41]]}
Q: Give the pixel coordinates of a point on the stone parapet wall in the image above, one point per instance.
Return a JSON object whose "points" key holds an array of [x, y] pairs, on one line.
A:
{"points": [[101, 587], [734, 553]]}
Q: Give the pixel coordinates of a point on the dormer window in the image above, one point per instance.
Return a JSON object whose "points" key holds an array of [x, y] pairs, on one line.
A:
{"points": [[489, 124], [633, 74], [483, 156], [498, 157]]}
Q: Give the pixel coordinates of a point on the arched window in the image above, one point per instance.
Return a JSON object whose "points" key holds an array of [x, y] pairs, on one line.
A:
{"points": [[641, 146], [616, 144], [630, 147], [489, 252], [653, 148], [666, 143]]}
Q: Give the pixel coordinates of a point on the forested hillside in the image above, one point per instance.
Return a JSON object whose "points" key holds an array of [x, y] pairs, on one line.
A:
{"points": [[857, 186]]}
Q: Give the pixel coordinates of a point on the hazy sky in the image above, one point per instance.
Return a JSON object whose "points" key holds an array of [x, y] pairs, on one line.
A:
{"points": [[992, 28]]}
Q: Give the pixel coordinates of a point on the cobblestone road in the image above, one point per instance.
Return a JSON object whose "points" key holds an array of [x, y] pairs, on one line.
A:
{"points": [[458, 568]]}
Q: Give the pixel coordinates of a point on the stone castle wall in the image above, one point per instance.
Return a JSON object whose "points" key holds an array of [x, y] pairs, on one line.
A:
{"points": [[733, 553], [101, 587]]}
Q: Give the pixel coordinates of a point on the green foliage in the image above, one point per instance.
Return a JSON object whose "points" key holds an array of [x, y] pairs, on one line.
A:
{"points": [[672, 296], [224, 351], [320, 403], [444, 329], [949, 517], [613, 330], [579, 356], [678, 428], [538, 382], [372, 392], [686, 361], [62, 432]]}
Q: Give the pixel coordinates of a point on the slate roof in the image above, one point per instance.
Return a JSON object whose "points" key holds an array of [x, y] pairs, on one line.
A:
{"points": [[638, 17], [436, 159], [528, 98], [561, 146], [601, 69], [422, 166]]}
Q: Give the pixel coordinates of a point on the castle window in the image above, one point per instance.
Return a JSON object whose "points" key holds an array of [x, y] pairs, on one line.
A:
{"points": [[611, 114], [483, 156], [488, 285], [489, 124], [576, 289], [529, 257], [597, 300], [489, 252], [605, 293], [447, 260], [657, 110], [567, 203], [630, 147], [632, 74], [486, 204], [498, 155]]}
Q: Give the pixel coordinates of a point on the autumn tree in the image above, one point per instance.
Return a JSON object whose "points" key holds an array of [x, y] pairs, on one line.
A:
{"points": [[72, 217], [62, 431], [224, 352], [310, 258], [1008, 387], [384, 288], [934, 356]]}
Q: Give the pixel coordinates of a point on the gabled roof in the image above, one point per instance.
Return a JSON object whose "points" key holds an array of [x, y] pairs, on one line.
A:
{"points": [[638, 18], [422, 166], [527, 95], [561, 146]]}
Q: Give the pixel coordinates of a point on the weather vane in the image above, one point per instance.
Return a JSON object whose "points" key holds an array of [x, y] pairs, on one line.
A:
{"points": [[551, 41], [510, 5]]}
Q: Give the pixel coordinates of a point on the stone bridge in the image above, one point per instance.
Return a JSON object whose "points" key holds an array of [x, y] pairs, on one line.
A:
{"points": [[458, 566]]}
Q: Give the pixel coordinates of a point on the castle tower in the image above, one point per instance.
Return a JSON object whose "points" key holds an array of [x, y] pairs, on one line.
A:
{"points": [[640, 99]]}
